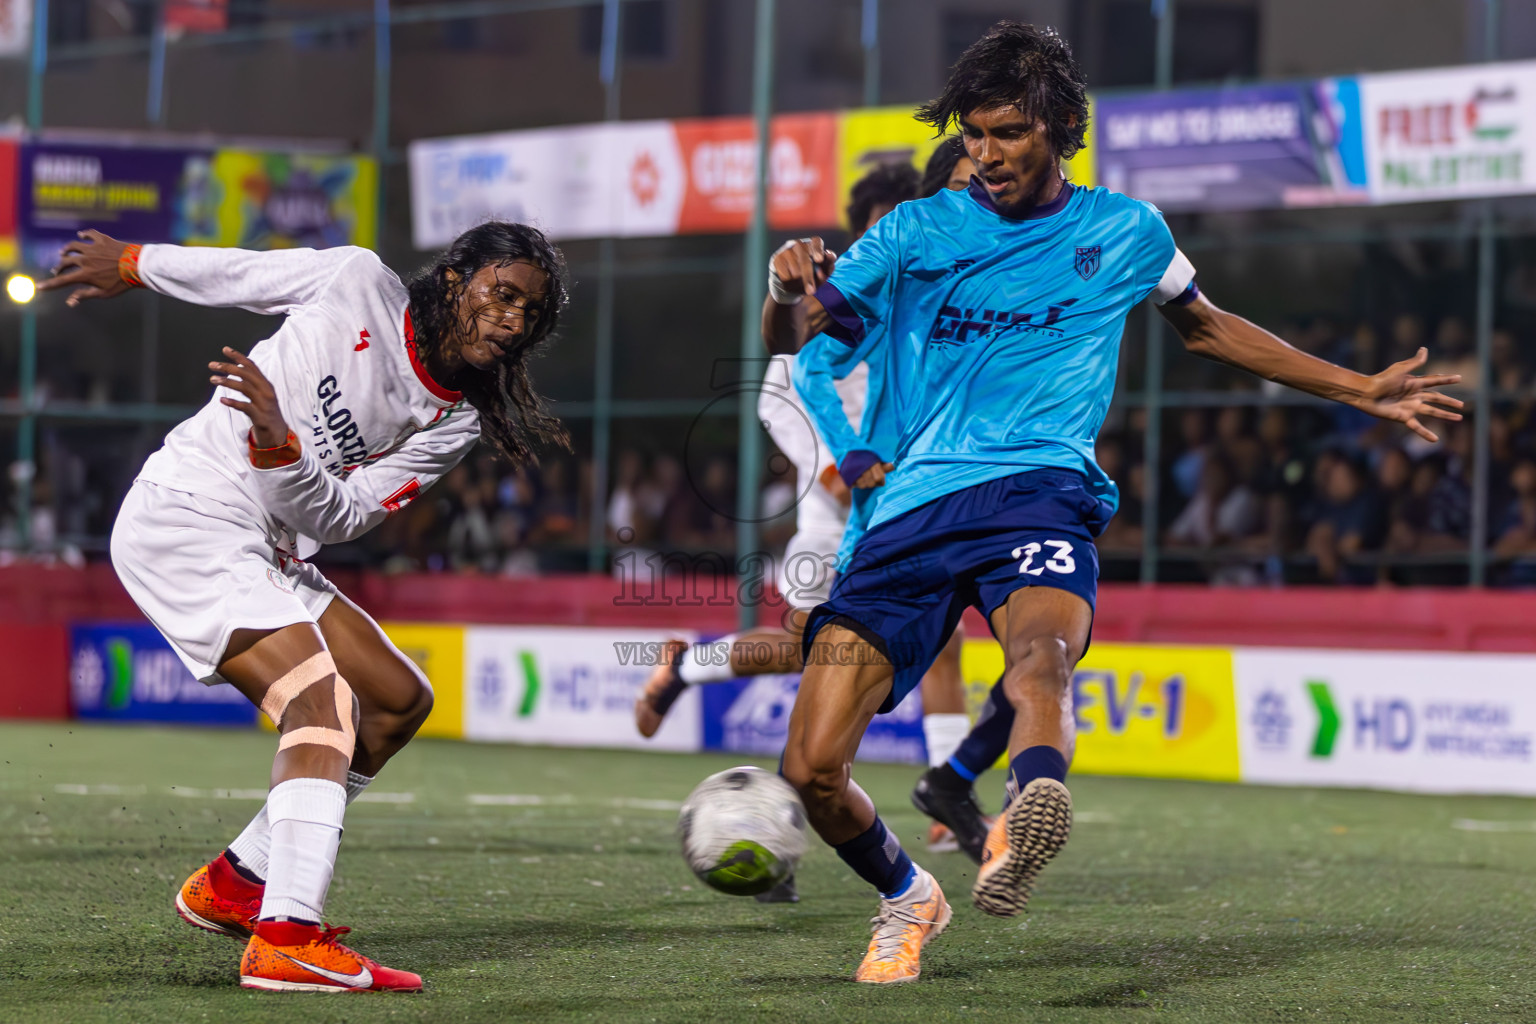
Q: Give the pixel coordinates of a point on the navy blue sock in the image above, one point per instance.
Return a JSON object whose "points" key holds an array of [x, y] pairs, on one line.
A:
{"points": [[1033, 763], [877, 857], [988, 739]]}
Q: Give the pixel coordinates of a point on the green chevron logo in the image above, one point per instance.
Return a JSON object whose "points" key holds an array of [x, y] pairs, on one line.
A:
{"points": [[120, 671], [530, 684], [1327, 718]]}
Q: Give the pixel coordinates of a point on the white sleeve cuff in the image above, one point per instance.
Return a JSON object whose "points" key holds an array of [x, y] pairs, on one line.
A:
{"points": [[1175, 280]]}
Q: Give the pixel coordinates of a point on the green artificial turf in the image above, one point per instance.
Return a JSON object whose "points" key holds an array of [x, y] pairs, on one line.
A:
{"points": [[1174, 901]]}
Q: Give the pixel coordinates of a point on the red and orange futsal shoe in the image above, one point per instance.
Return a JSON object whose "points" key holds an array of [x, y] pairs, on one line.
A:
{"points": [[284, 956], [661, 690], [217, 898]]}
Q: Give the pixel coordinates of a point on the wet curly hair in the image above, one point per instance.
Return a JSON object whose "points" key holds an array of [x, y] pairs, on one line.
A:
{"points": [[1028, 67], [514, 417]]}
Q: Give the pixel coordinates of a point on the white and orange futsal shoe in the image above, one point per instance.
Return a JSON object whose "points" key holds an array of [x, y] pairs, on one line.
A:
{"points": [[1022, 840], [902, 928], [284, 956], [219, 899]]}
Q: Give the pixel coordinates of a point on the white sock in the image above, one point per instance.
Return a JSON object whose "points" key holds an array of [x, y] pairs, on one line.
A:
{"points": [[944, 733], [306, 817], [700, 662], [355, 785], [252, 847]]}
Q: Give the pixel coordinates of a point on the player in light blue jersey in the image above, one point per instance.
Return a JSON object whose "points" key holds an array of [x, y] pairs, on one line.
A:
{"points": [[944, 793], [1003, 308]]}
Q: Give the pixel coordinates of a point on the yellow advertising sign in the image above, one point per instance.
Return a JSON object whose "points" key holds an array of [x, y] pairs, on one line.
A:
{"points": [[439, 652], [874, 136], [1165, 712]]}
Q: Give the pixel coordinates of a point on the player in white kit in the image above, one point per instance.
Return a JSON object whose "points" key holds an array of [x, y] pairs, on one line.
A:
{"points": [[366, 395]]}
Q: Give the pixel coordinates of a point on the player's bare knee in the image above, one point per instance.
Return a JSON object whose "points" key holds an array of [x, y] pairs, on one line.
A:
{"points": [[819, 783]]}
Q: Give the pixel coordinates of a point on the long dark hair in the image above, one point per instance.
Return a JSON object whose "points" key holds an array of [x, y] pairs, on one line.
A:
{"points": [[1029, 67], [513, 416]]}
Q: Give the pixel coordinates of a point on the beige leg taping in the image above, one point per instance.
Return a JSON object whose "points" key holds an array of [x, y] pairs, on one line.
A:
{"points": [[319, 734], [283, 692], [299, 678]]}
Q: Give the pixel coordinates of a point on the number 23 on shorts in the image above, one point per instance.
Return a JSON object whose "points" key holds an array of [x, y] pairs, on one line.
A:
{"points": [[1059, 560]]}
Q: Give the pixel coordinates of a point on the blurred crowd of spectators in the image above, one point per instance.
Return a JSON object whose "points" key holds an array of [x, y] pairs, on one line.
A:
{"points": [[1326, 494], [1248, 493]]}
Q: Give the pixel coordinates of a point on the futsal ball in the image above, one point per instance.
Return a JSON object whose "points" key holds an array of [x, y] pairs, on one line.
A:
{"points": [[743, 831]]}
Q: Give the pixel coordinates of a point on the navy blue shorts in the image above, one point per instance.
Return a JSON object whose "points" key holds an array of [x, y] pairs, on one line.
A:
{"points": [[910, 578]]}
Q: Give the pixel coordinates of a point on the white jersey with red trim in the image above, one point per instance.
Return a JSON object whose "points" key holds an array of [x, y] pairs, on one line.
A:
{"points": [[374, 428]]}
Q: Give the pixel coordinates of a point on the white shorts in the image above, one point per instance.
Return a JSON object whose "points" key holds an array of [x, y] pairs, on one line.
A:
{"points": [[808, 568], [200, 569]]}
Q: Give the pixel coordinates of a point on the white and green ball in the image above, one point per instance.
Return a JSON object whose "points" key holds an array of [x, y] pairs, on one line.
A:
{"points": [[743, 830]]}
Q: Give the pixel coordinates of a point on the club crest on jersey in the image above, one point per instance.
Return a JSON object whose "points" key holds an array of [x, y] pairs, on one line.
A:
{"points": [[1087, 262]]}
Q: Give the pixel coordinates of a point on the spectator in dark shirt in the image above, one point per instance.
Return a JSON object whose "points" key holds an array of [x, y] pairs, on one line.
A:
{"points": [[1348, 521]]}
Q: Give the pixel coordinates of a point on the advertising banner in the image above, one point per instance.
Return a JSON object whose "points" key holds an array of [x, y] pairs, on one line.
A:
{"points": [[439, 652], [567, 687], [193, 197], [581, 181], [628, 179], [1425, 722], [127, 672], [751, 716], [721, 153], [1452, 133], [874, 136], [150, 195], [1162, 712], [1246, 148], [261, 200], [10, 243]]}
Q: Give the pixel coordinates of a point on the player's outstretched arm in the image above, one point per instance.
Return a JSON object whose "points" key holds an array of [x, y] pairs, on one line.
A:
{"points": [[791, 313], [1393, 394], [98, 266]]}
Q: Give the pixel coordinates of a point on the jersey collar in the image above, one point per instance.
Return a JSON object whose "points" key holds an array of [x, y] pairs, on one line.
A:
{"points": [[979, 193], [437, 391]]}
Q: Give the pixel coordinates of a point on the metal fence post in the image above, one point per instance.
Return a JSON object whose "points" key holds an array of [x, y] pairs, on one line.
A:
{"points": [[1162, 10], [869, 39], [26, 428], [602, 356], [753, 286], [1152, 440], [1152, 446], [1482, 418]]}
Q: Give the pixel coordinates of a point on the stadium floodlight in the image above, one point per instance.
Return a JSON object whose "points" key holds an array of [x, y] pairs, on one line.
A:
{"points": [[21, 288]]}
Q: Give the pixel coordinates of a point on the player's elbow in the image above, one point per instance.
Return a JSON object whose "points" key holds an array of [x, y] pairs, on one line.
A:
{"points": [[1203, 343]]}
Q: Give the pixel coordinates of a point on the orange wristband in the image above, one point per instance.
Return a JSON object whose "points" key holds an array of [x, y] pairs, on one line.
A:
{"points": [[285, 454], [128, 265]]}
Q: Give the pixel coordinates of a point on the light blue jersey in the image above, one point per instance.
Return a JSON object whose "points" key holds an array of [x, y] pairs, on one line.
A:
{"points": [[822, 361], [997, 339]]}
